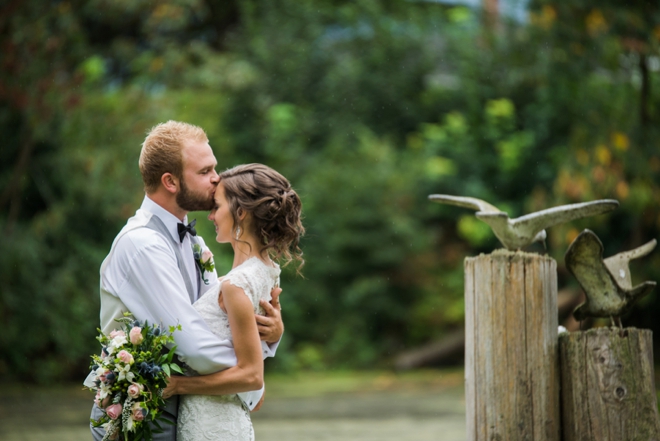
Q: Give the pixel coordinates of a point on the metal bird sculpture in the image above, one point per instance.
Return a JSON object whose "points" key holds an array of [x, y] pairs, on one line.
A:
{"points": [[606, 283], [522, 231]]}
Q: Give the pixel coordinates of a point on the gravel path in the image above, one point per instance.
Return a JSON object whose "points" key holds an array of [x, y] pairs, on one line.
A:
{"points": [[348, 407]]}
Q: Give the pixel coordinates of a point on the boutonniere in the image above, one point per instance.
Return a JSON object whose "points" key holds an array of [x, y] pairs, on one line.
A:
{"points": [[203, 259]]}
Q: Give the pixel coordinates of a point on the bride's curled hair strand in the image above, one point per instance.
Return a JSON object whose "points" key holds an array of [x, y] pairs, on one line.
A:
{"points": [[274, 206]]}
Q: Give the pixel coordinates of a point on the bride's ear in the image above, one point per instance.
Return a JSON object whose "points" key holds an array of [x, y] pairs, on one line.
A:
{"points": [[170, 182], [241, 214]]}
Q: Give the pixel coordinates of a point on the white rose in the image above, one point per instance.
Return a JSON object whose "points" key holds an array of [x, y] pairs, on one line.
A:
{"points": [[118, 341]]}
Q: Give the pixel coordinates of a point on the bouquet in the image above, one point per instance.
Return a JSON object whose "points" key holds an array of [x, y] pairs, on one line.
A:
{"points": [[129, 376]]}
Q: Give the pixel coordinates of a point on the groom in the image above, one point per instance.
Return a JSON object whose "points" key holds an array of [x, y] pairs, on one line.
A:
{"points": [[151, 271]]}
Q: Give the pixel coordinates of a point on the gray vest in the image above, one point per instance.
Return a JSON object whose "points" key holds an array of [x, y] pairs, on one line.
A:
{"points": [[157, 225]]}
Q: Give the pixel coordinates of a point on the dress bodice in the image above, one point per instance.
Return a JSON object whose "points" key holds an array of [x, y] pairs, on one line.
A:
{"points": [[253, 276]]}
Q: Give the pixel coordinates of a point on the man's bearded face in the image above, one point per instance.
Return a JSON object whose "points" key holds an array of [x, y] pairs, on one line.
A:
{"points": [[193, 201]]}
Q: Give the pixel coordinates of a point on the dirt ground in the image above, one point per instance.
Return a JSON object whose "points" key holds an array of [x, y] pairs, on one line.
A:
{"points": [[348, 406]]}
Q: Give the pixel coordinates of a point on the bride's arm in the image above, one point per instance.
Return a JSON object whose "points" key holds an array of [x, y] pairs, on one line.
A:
{"points": [[248, 374]]}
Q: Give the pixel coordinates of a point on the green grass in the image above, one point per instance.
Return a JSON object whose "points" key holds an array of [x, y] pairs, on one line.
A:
{"points": [[305, 384]]}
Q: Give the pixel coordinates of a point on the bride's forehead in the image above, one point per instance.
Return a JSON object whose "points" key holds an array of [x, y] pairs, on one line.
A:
{"points": [[219, 194]]}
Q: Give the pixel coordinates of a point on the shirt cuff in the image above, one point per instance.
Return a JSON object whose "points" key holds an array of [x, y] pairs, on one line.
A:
{"points": [[269, 349], [252, 398]]}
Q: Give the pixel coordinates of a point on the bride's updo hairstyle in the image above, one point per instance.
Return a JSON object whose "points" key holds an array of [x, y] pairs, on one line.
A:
{"points": [[275, 208]]}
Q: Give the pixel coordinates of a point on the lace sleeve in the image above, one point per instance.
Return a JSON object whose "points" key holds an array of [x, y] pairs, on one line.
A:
{"points": [[241, 279]]}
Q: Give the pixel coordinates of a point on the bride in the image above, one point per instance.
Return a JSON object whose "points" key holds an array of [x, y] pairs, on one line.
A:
{"points": [[257, 211]]}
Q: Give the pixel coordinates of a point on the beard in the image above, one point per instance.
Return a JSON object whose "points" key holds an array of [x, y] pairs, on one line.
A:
{"points": [[192, 201]]}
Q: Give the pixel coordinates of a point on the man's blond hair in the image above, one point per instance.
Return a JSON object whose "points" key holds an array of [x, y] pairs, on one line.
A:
{"points": [[161, 151]]}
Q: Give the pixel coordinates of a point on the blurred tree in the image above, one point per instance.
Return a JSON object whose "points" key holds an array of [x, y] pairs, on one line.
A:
{"points": [[365, 107]]}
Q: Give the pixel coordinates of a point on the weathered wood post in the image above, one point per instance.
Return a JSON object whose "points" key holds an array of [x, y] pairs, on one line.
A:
{"points": [[608, 388], [511, 348]]}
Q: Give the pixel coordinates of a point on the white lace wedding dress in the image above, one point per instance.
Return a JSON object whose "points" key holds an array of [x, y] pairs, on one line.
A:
{"points": [[225, 417]]}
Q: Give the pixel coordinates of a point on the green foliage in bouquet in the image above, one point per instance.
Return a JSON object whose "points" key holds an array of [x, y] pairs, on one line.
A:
{"points": [[129, 376]]}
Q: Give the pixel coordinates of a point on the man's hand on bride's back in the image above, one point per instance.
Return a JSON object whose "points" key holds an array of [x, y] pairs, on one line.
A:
{"points": [[171, 387], [270, 325]]}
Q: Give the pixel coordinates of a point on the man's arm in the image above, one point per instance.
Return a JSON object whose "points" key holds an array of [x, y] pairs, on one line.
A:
{"points": [[248, 373], [228, 381], [154, 290]]}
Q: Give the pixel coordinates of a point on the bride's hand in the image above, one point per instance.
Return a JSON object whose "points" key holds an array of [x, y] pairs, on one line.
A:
{"points": [[171, 387]]}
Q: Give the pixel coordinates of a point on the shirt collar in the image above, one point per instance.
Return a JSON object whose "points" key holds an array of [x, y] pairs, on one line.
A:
{"points": [[168, 218]]}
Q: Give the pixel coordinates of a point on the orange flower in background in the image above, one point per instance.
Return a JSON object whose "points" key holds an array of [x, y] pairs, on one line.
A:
{"points": [[598, 173], [622, 190], [574, 186]]}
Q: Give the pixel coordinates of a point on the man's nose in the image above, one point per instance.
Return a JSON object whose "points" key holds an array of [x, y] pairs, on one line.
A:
{"points": [[215, 177], [210, 216]]}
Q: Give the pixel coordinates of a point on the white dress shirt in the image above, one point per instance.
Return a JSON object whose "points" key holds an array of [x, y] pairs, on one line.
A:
{"points": [[141, 275]]}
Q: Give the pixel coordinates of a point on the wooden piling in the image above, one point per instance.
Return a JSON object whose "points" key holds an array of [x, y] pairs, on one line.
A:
{"points": [[511, 348], [608, 386]]}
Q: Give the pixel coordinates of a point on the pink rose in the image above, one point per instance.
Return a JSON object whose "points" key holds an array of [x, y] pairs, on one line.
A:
{"points": [[138, 413], [134, 390], [114, 333], [114, 411], [206, 256], [136, 335], [125, 356]]}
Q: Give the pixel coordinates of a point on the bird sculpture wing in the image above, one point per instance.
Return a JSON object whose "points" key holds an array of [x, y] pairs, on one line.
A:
{"points": [[522, 231], [618, 265], [606, 283], [540, 220], [636, 293], [584, 259], [465, 202]]}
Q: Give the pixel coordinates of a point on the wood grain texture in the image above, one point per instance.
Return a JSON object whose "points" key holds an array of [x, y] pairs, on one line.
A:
{"points": [[608, 386], [511, 358]]}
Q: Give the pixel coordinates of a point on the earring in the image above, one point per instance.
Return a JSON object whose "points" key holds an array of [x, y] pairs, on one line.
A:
{"points": [[238, 233]]}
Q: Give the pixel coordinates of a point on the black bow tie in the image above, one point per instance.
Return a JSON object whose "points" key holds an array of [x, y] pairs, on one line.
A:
{"points": [[183, 229]]}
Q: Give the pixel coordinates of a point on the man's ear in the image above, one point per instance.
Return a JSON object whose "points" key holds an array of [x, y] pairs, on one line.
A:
{"points": [[170, 182]]}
